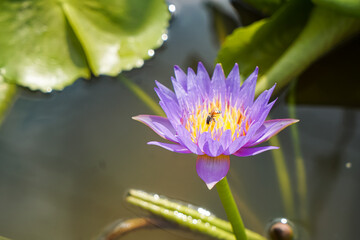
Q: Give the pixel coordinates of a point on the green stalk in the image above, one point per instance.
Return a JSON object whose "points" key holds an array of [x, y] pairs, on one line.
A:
{"points": [[283, 177], [299, 161], [231, 209]]}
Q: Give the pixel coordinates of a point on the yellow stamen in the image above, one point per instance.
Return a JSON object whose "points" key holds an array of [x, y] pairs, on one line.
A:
{"points": [[223, 117]]}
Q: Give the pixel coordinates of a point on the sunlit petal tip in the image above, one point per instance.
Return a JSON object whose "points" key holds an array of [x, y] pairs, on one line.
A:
{"points": [[171, 147], [245, 152], [201, 67], [160, 125], [211, 185], [212, 169]]}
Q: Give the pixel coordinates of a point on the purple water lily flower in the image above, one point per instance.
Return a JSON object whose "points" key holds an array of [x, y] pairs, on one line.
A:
{"points": [[214, 119]]}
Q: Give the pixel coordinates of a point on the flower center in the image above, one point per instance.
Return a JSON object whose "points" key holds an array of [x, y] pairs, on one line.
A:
{"points": [[216, 118]]}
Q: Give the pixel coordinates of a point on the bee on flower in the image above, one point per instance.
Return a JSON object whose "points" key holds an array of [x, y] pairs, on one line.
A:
{"points": [[214, 118], [211, 117]]}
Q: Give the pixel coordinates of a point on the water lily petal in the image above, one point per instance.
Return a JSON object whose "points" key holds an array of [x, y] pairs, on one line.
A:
{"points": [[180, 76], [170, 106], [184, 138], [212, 169], [218, 87], [180, 94], [260, 104], [226, 139], [247, 90], [269, 129], [213, 148], [233, 83], [203, 80], [245, 152], [192, 90], [171, 147], [166, 91], [160, 125]]}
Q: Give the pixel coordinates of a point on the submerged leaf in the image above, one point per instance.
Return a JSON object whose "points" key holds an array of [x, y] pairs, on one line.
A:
{"points": [[47, 45]]}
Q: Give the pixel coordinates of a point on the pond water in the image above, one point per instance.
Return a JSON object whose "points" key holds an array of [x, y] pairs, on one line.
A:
{"points": [[68, 158]]}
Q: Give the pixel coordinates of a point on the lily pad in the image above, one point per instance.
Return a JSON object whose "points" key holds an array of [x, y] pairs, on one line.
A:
{"points": [[48, 44]]}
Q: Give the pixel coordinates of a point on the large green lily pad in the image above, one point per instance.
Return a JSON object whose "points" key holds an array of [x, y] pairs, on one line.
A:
{"points": [[48, 44]]}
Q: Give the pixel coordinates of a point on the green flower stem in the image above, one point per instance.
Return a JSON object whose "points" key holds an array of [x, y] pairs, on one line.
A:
{"points": [[299, 161], [283, 177], [143, 96], [231, 209], [185, 216]]}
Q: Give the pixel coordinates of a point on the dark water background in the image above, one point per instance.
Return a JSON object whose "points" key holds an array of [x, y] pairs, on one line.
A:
{"points": [[67, 158]]}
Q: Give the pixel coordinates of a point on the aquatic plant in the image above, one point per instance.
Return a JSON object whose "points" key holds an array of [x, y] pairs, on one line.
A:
{"points": [[214, 119]]}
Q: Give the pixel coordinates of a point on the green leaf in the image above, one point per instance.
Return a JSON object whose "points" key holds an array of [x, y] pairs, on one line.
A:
{"points": [[7, 94], [48, 44], [116, 35], [324, 30], [266, 6], [346, 7], [263, 42]]}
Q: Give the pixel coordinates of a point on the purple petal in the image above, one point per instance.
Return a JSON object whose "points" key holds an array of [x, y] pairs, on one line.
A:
{"points": [[184, 138], [260, 105], [212, 169], [233, 82], [235, 145], [242, 140], [181, 77], [203, 80], [218, 84], [170, 106], [269, 129], [171, 147], [244, 152], [247, 90], [180, 94], [160, 125], [213, 148], [193, 89], [202, 140], [166, 92], [226, 139]]}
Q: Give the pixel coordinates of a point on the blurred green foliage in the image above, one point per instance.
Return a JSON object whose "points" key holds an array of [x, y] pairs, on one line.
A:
{"points": [[286, 43], [47, 45]]}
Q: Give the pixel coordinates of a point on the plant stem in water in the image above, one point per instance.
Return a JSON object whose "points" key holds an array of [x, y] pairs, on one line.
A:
{"points": [[231, 209]]}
